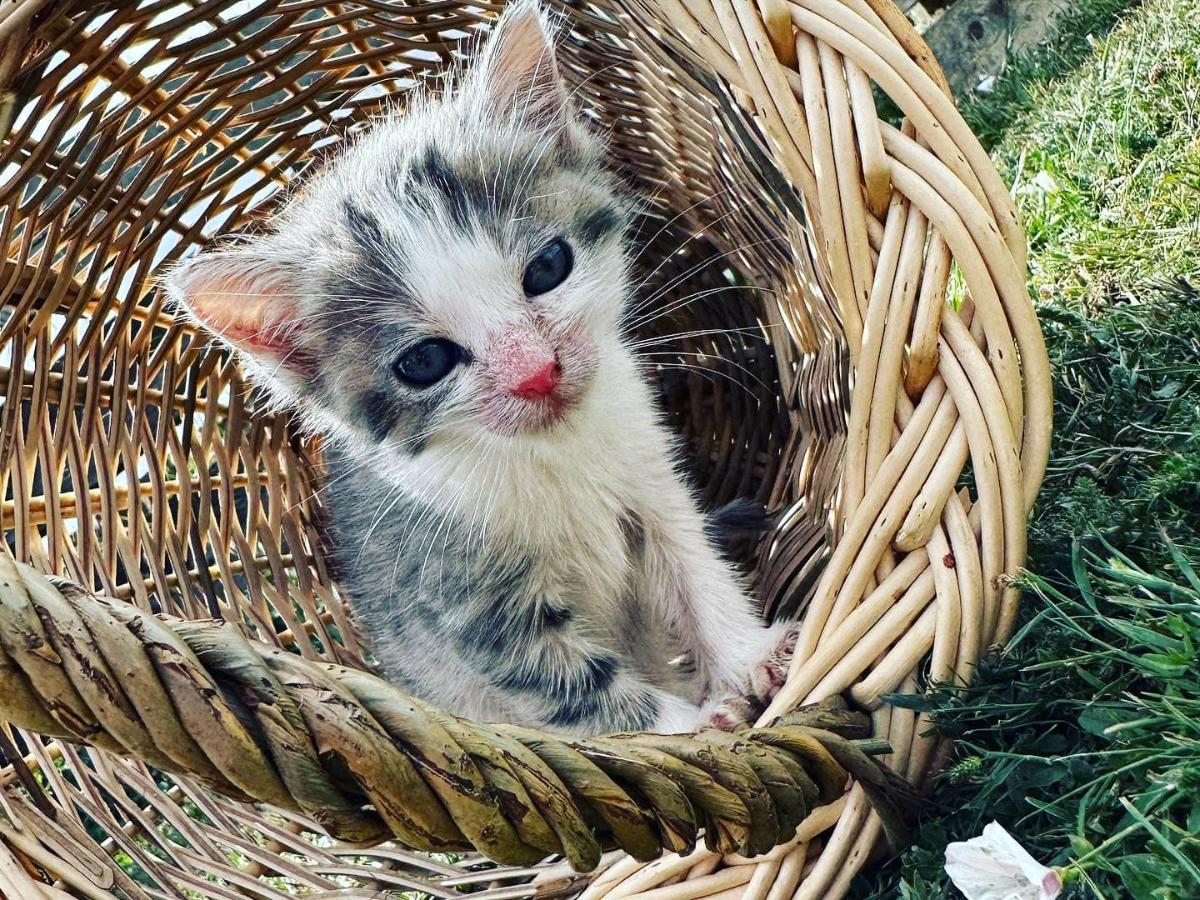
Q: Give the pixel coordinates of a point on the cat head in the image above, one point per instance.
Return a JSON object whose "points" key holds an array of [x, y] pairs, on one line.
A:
{"points": [[458, 272]]}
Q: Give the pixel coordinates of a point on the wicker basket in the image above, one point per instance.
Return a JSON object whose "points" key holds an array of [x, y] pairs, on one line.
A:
{"points": [[858, 330]]}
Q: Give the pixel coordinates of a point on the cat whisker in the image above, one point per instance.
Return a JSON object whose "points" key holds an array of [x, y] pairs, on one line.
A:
{"points": [[696, 268], [675, 218], [687, 300], [667, 257], [754, 331], [707, 373], [668, 356]]}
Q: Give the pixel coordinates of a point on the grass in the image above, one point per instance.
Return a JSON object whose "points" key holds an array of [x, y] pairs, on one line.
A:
{"points": [[1083, 736]]}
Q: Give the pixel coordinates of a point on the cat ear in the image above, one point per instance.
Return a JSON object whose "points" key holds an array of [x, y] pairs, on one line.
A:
{"points": [[249, 301], [518, 74]]}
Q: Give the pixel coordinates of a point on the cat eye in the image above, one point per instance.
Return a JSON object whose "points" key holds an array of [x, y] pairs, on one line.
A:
{"points": [[428, 362], [548, 269]]}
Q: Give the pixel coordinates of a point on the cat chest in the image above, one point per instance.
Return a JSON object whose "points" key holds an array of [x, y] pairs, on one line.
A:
{"points": [[594, 575]]}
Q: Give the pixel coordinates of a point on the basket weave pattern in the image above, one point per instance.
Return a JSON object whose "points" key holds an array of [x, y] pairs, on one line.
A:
{"points": [[822, 244]]}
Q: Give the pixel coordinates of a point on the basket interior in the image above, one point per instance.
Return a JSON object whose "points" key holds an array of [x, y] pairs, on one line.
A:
{"points": [[138, 462]]}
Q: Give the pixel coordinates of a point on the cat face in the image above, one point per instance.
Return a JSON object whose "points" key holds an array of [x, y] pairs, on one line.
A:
{"points": [[460, 271]]}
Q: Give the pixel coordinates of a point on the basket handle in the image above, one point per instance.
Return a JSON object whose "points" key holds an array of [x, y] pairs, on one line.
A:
{"points": [[368, 762]]}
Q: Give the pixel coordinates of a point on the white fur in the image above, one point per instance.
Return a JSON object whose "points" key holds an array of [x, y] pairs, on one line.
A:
{"points": [[562, 495]]}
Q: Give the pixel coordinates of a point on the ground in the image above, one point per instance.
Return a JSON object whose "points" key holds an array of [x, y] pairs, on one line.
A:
{"points": [[1082, 736]]}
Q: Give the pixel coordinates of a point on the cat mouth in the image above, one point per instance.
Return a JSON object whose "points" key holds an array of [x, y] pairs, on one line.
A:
{"points": [[546, 413], [513, 416]]}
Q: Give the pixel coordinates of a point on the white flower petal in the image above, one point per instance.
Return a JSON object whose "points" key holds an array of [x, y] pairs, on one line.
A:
{"points": [[1006, 844], [994, 866]]}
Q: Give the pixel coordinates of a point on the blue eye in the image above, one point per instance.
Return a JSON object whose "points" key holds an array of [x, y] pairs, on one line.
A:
{"points": [[548, 269], [428, 362]]}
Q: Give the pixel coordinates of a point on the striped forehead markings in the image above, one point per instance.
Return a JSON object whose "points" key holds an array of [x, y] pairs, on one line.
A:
{"points": [[462, 197]]}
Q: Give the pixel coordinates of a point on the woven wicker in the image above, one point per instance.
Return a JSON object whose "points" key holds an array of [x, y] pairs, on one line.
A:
{"points": [[856, 334]]}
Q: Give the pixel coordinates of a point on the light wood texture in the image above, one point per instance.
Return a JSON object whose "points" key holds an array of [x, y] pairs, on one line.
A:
{"points": [[835, 380]]}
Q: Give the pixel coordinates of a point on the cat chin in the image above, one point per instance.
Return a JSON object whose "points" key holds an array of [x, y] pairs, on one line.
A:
{"points": [[510, 417], [542, 418]]}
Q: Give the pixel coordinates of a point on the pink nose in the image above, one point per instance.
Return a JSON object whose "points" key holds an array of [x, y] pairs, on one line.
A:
{"points": [[541, 383]]}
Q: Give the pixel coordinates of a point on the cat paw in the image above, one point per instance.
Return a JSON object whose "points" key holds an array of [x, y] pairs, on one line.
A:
{"points": [[745, 700], [771, 673], [731, 714]]}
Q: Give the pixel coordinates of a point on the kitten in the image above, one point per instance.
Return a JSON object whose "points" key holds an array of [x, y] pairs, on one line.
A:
{"points": [[445, 301]]}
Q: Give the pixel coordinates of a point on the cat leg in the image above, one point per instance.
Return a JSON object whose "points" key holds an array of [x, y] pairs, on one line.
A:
{"points": [[570, 683], [704, 602]]}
